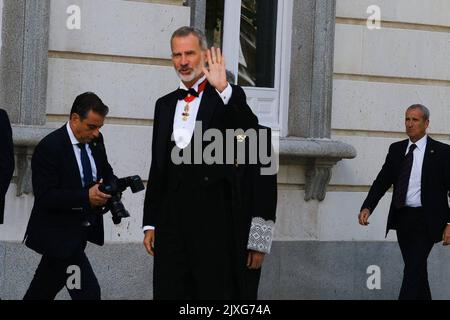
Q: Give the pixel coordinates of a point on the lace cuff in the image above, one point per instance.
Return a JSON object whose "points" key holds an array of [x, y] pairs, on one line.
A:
{"points": [[261, 235]]}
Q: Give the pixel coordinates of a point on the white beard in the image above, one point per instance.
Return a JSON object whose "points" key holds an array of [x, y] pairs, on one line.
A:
{"points": [[187, 78], [195, 73]]}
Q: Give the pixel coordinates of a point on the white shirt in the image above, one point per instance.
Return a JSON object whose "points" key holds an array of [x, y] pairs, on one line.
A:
{"points": [[183, 130], [413, 195], [77, 152]]}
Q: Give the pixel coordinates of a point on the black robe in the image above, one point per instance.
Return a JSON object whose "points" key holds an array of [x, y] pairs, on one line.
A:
{"points": [[204, 203]]}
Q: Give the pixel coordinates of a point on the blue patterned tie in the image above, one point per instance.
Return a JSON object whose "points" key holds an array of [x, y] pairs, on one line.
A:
{"points": [[86, 164]]}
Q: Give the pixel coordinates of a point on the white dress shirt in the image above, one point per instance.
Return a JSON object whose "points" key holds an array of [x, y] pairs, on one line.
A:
{"points": [[77, 152], [184, 130], [413, 195]]}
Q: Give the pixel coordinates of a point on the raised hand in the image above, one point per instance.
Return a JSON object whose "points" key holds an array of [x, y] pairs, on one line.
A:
{"points": [[216, 73]]}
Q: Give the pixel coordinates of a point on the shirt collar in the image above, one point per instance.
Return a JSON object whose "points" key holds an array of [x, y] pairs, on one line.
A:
{"points": [[72, 137], [195, 86], [421, 144]]}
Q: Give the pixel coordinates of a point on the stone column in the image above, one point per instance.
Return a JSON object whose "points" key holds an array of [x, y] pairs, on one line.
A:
{"points": [[312, 55], [198, 13], [24, 59], [23, 78], [311, 88]]}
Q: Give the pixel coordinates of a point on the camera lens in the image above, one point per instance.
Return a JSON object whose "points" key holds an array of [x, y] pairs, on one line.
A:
{"points": [[118, 210]]}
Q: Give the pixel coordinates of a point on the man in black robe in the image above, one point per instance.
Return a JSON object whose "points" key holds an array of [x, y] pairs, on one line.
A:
{"points": [[203, 220]]}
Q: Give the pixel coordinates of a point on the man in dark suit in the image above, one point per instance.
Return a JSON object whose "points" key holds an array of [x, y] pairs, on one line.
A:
{"points": [[6, 159], [419, 170], [67, 167], [205, 240]]}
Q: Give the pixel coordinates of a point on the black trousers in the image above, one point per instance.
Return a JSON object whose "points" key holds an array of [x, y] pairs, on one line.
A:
{"points": [[415, 246], [53, 274], [193, 246]]}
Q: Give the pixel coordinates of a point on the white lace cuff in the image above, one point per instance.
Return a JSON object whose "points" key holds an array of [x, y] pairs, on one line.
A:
{"points": [[261, 235]]}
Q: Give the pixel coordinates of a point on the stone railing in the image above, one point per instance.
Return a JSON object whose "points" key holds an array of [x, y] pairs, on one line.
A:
{"points": [[318, 156]]}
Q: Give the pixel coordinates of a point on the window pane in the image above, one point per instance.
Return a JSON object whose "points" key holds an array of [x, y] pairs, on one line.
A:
{"points": [[258, 43], [214, 22]]}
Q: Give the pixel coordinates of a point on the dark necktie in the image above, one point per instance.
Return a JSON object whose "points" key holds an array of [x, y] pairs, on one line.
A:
{"points": [[399, 196], [86, 164]]}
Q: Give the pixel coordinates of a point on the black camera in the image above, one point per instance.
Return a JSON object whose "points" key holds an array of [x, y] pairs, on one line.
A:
{"points": [[115, 187]]}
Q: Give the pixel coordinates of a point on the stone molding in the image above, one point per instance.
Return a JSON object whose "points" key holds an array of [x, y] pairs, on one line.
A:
{"points": [[25, 140], [318, 156]]}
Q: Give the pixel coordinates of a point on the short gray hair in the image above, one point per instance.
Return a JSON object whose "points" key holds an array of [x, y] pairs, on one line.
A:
{"points": [[186, 31], [425, 110]]}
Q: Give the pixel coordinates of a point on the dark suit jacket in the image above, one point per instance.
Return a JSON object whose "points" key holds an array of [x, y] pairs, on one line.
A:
{"points": [[6, 159], [244, 181], [61, 204], [434, 189]]}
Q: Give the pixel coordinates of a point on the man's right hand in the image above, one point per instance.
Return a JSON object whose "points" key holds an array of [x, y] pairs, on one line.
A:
{"points": [[96, 197], [149, 241], [363, 217]]}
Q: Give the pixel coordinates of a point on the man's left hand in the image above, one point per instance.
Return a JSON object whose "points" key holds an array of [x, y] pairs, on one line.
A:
{"points": [[216, 73], [255, 259], [446, 236]]}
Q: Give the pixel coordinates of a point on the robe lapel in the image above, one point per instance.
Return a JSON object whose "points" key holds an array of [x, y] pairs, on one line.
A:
{"points": [[165, 122], [208, 105]]}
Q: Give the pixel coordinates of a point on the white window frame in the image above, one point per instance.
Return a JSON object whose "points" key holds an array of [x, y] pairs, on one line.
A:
{"points": [[270, 104]]}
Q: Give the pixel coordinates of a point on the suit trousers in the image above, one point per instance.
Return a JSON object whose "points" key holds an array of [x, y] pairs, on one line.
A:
{"points": [[52, 275], [415, 245]]}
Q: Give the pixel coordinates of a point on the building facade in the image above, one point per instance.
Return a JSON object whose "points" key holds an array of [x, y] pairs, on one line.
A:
{"points": [[332, 78]]}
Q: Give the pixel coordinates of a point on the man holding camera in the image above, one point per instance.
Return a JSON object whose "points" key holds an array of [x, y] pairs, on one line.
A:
{"points": [[68, 167]]}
